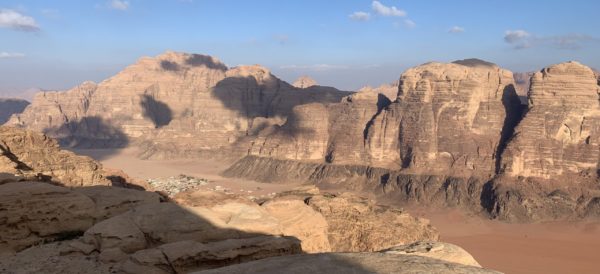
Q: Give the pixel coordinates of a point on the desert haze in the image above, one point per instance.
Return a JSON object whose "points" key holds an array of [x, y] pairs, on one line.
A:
{"points": [[335, 156]]}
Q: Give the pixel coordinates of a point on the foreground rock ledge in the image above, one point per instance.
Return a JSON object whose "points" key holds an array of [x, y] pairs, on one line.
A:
{"points": [[342, 263]]}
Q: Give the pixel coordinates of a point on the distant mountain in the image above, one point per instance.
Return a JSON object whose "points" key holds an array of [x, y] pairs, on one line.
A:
{"points": [[10, 106], [174, 105]]}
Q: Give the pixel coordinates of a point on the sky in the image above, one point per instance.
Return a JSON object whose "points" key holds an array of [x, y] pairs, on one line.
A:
{"points": [[55, 45]]}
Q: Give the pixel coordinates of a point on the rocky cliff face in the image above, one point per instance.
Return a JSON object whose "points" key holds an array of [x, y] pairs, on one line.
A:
{"points": [[449, 118], [560, 133], [30, 155], [175, 104], [451, 139], [332, 133], [8, 107]]}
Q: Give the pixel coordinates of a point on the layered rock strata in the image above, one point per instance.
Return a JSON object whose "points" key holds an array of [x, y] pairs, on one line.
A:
{"points": [[449, 119], [175, 105], [560, 133]]}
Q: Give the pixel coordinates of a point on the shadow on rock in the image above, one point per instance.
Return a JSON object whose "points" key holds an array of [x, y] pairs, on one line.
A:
{"points": [[205, 60], [158, 112], [8, 107], [109, 229], [89, 132]]}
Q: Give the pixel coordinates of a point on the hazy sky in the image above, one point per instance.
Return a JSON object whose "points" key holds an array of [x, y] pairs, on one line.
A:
{"points": [[343, 43]]}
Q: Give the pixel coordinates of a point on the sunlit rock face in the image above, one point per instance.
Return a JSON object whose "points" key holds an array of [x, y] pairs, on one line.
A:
{"points": [[27, 155], [449, 118], [446, 118], [174, 103], [332, 133], [559, 135], [304, 82]]}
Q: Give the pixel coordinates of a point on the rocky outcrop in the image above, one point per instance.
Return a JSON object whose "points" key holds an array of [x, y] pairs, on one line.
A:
{"points": [[9, 106], [356, 224], [560, 133], [436, 250], [33, 213], [131, 231], [27, 154], [304, 82], [388, 90], [174, 105], [349, 263]]}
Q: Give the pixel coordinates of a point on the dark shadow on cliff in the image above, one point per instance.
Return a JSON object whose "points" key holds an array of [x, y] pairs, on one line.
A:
{"points": [[95, 135], [8, 107], [167, 227], [158, 112], [169, 66], [514, 114], [204, 60], [382, 103], [276, 98], [5, 151]]}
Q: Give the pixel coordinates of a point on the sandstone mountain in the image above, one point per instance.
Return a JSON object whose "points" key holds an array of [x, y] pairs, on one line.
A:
{"points": [[175, 104], [9, 106], [304, 82]]}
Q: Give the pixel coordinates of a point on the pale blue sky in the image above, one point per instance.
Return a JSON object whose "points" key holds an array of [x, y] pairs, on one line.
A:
{"points": [[343, 43]]}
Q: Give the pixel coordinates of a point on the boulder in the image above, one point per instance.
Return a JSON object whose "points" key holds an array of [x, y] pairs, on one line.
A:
{"points": [[356, 224], [301, 221]]}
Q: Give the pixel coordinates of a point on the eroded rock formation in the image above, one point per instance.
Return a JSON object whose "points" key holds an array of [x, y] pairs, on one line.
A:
{"points": [[560, 133], [448, 119], [32, 155]]}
